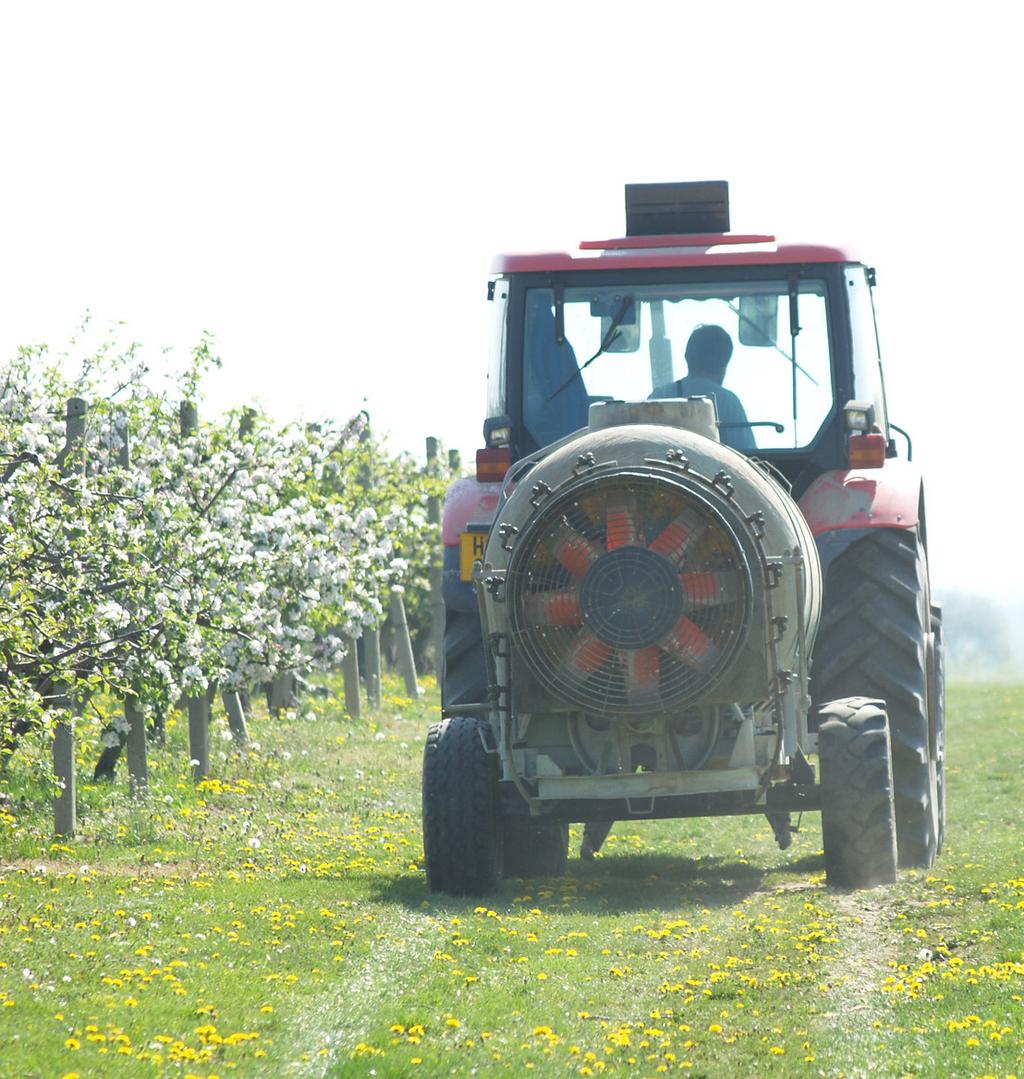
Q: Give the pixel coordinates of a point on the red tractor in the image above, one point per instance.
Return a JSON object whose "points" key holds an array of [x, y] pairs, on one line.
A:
{"points": [[693, 558]]}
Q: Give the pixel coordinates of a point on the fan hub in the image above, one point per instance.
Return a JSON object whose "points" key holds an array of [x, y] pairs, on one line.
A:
{"points": [[631, 598]]}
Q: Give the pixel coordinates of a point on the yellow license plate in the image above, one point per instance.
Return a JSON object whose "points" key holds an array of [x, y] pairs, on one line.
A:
{"points": [[472, 547]]}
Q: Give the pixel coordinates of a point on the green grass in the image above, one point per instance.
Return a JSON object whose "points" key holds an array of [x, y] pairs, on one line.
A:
{"points": [[277, 922]]}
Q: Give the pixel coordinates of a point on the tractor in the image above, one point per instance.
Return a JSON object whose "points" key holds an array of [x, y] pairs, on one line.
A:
{"points": [[690, 575]]}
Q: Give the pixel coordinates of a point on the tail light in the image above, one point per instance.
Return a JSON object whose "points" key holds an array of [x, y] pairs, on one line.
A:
{"points": [[492, 463], [867, 450]]}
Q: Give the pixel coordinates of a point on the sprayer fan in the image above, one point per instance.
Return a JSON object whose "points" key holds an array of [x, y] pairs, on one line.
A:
{"points": [[628, 595]]}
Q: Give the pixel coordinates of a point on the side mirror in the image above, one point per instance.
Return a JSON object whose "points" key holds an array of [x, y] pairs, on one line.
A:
{"points": [[759, 321]]}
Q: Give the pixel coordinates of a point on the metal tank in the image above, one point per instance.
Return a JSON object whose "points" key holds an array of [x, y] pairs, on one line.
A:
{"points": [[643, 565]]}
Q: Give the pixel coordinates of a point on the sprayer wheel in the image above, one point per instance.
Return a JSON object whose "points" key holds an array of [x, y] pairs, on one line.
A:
{"points": [[461, 837], [857, 807]]}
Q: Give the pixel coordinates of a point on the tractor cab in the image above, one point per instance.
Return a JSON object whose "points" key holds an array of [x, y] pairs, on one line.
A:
{"points": [[780, 336]]}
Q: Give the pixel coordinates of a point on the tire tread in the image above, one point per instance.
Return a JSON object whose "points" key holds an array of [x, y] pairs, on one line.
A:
{"points": [[460, 834], [463, 667], [857, 816]]}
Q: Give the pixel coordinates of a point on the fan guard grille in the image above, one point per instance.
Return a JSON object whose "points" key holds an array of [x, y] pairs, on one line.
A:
{"points": [[628, 595]]}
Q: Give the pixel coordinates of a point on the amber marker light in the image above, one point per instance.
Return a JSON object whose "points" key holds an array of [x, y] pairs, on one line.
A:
{"points": [[492, 463], [867, 450]]}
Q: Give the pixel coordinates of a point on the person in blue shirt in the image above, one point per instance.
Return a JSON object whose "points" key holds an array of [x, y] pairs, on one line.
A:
{"points": [[707, 356]]}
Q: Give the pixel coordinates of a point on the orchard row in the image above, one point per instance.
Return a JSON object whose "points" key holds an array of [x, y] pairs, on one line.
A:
{"points": [[151, 554]]}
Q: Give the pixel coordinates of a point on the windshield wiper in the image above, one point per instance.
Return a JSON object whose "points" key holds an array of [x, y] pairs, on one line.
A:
{"points": [[611, 336]]}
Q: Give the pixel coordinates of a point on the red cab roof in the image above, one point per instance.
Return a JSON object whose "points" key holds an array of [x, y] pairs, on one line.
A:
{"points": [[660, 252]]}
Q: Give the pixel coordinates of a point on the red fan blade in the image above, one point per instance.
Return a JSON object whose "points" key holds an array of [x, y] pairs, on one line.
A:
{"points": [[642, 673], [711, 589], [588, 654], [574, 551], [678, 535], [688, 642], [622, 530], [561, 608]]}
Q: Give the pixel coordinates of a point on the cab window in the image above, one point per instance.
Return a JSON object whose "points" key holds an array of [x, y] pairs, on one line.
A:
{"points": [[772, 389]]}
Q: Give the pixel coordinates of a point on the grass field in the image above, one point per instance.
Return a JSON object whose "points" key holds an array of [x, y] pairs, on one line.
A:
{"points": [[276, 922]]}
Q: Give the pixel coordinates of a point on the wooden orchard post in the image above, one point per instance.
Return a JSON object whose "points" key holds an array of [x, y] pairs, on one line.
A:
{"points": [[236, 716], [350, 665], [406, 660], [283, 693], [371, 652], [72, 463], [371, 637], [64, 818], [199, 705], [138, 763], [199, 735], [454, 461], [436, 569], [138, 766]]}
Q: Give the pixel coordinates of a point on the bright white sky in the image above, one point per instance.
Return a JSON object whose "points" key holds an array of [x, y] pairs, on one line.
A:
{"points": [[322, 186]]}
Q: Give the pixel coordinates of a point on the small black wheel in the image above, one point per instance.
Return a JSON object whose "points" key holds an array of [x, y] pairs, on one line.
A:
{"points": [[461, 837], [858, 817], [874, 639], [535, 848], [463, 667]]}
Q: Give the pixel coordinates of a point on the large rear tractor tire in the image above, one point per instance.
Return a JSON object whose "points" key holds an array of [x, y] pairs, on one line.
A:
{"points": [[534, 848], [463, 668], [858, 820], [874, 639], [461, 837], [937, 703]]}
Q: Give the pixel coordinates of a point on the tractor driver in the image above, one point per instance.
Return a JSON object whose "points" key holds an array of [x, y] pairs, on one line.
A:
{"points": [[707, 355]]}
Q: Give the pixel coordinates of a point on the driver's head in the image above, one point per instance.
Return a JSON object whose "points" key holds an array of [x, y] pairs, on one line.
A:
{"points": [[708, 352]]}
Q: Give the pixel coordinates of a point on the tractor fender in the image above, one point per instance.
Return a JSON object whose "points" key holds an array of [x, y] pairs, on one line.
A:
{"points": [[845, 505], [886, 497], [467, 502]]}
